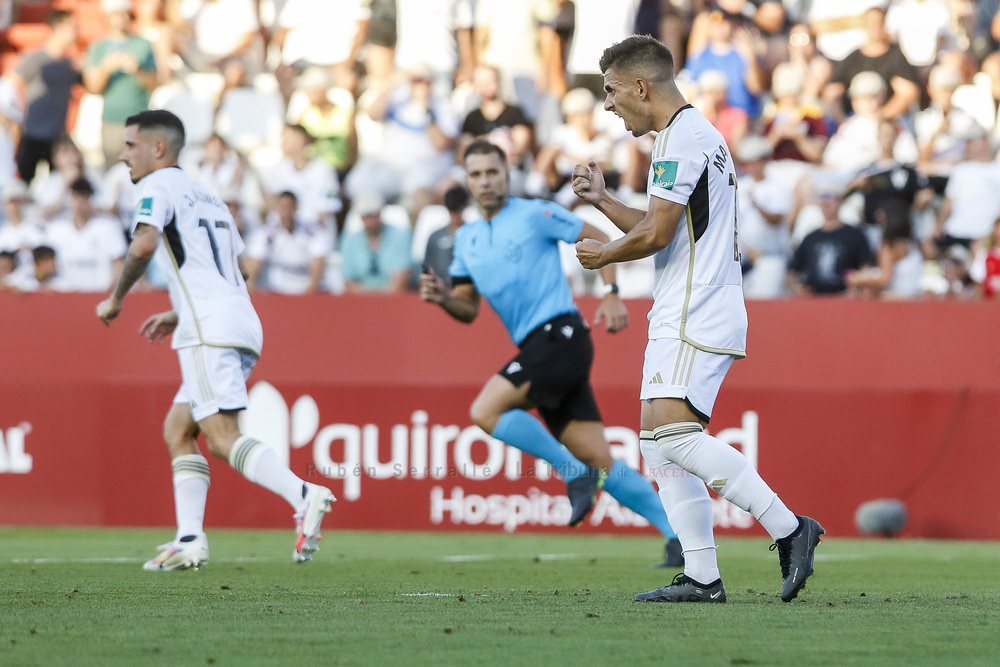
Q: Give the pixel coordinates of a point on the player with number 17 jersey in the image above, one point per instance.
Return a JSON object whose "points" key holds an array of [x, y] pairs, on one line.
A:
{"points": [[200, 258], [698, 296]]}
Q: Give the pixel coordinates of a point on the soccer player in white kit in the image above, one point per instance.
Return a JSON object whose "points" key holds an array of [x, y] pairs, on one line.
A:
{"points": [[698, 322], [216, 333]]}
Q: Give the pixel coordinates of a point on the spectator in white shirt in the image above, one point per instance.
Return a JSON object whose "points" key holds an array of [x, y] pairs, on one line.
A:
{"points": [[90, 248], [291, 249], [310, 178]]}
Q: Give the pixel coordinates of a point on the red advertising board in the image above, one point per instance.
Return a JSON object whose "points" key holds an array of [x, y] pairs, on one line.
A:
{"points": [[838, 402]]}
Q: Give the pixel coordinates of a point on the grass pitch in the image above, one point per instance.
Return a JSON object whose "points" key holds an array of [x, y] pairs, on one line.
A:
{"points": [[79, 597]]}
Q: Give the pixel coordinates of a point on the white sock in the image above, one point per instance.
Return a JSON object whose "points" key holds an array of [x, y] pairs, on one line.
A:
{"points": [[261, 465], [191, 482], [727, 472], [689, 509]]}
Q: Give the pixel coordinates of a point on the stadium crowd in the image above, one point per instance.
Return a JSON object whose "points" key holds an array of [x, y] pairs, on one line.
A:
{"points": [[865, 132]]}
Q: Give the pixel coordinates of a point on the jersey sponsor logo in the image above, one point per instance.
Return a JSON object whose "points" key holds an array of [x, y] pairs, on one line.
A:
{"points": [[664, 174], [145, 206]]}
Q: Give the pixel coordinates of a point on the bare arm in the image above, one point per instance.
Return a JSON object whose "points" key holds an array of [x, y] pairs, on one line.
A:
{"points": [[144, 243], [612, 310], [253, 268], [316, 266], [588, 184], [461, 302], [651, 235], [905, 94]]}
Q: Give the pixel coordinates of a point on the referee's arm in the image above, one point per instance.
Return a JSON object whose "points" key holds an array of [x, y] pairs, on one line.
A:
{"points": [[461, 302]]}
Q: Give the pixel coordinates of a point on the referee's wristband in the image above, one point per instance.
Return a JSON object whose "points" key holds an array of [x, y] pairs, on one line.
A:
{"points": [[610, 289]]}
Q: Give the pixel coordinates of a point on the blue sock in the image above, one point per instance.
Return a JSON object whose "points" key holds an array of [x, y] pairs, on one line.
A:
{"points": [[521, 430], [636, 492]]}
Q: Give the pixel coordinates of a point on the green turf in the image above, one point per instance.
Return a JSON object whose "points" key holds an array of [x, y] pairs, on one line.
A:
{"points": [[403, 599]]}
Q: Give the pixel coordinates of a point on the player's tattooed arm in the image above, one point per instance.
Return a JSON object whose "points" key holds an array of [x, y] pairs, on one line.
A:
{"points": [[145, 239]]}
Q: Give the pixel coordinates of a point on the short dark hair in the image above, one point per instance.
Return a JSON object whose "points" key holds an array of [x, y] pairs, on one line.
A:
{"points": [[301, 130], [164, 121], [289, 194], [483, 147], [42, 253], [57, 16], [81, 186], [456, 198], [9, 254], [640, 52]]}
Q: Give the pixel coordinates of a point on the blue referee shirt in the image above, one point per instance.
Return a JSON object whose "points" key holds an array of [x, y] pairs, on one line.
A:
{"points": [[513, 260]]}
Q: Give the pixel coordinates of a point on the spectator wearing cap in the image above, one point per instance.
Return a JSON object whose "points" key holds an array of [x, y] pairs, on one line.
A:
{"points": [[19, 233], [121, 68], [288, 253], [575, 141], [820, 264], [879, 54], [941, 128], [794, 126], [300, 171], [855, 144], [733, 123], [971, 202], [47, 77], [764, 204], [90, 247], [729, 49], [375, 259]]}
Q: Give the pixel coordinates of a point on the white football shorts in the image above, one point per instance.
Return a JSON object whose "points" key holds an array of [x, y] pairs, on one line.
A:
{"points": [[673, 368], [214, 379]]}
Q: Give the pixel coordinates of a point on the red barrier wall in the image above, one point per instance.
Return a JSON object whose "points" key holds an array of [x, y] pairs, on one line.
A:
{"points": [[839, 402]]}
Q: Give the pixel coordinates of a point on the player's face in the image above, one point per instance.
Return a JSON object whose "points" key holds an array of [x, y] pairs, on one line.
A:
{"points": [[486, 177], [622, 99], [138, 153]]}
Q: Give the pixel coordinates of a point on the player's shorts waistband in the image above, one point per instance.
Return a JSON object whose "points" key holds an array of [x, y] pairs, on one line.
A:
{"points": [[572, 318]]}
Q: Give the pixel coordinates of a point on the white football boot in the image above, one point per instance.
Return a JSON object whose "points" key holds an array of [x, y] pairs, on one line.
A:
{"points": [[180, 555], [316, 503]]}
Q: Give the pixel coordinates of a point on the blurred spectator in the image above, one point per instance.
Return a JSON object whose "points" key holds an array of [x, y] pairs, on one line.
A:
{"points": [[953, 280], [329, 34], [52, 192], [288, 251], [438, 34], [11, 118], [985, 269], [47, 77], [8, 266], [576, 141], [498, 121], [380, 42], [900, 268], [764, 233], [855, 144], [762, 20], [883, 56], [508, 35], [733, 123], [814, 68], [19, 233], [794, 124], [329, 118], [442, 242], [419, 128], [150, 22], [729, 49], [218, 36], [121, 69], [922, 28], [597, 25], [90, 248], [941, 128], [245, 223], [40, 275], [888, 185], [376, 258], [310, 177], [822, 261], [220, 168], [971, 199]]}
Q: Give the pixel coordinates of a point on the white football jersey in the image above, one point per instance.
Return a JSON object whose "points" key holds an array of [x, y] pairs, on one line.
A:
{"points": [[199, 257], [699, 285]]}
